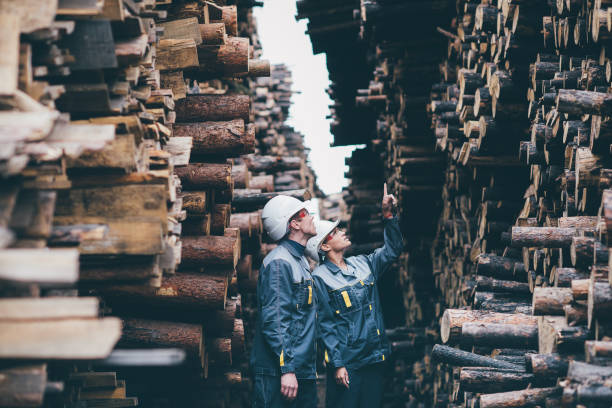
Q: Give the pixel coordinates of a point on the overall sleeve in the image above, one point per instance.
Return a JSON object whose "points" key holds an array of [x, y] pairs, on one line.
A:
{"points": [[329, 328], [383, 257], [276, 309]]}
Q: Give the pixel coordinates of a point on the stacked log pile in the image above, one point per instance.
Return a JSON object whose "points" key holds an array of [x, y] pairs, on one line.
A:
{"points": [[123, 125], [524, 222], [519, 259], [379, 89]]}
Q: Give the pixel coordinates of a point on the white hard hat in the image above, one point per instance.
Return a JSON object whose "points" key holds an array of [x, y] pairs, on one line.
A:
{"points": [[314, 244], [277, 212]]}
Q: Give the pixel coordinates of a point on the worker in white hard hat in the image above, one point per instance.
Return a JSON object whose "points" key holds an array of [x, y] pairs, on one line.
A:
{"points": [[284, 354], [350, 322]]}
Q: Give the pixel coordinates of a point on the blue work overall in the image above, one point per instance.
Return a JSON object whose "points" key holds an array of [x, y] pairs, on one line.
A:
{"points": [[285, 331], [351, 322]]}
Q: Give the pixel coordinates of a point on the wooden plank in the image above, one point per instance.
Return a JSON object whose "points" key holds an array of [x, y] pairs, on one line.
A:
{"points": [[180, 149], [9, 52], [19, 309], [131, 123], [92, 45], [122, 153], [129, 236], [113, 10], [176, 54], [87, 98], [79, 7], [184, 29], [112, 403], [174, 80], [33, 214], [114, 202], [75, 139], [103, 393], [144, 358], [56, 266], [94, 379], [23, 386], [33, 14], [26, 126], [63, 339]]}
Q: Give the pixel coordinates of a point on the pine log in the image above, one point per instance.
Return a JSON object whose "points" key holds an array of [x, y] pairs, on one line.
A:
{"points": [[141, 333], [501, 335], [241, 176], [525, 398], [271, 164], [195, 202], [550, 301], [576, 314], [580, 289], [242, 221], [197, 224], [486, 284], [599, 302], [546, 237], [497, 267], [263, 183], [565, 276], [220, 218], [238, 341], [198, 108], [209, 250], [199, 176], [219, 352], [249, 199], [453, 319], [578, 102], [456, 357], [485, 379], [584, 373], [224, 60], [217, 138], [213, 34], [183, 291], [547, 366], [501, 302]]}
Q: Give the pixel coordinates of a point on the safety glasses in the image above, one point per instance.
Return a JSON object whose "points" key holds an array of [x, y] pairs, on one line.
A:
{"points": [[330, 236], [300, 215]]}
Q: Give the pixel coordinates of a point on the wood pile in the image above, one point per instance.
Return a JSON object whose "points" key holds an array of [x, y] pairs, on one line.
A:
{"points": [[517, 281], [130, 151]]}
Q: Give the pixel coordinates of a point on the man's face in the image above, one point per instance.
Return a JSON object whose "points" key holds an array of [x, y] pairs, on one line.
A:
{"points": [[304, 221]]}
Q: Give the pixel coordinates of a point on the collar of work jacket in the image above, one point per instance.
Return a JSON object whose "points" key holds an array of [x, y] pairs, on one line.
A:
{"points": [[296, 249], [333, 268]]}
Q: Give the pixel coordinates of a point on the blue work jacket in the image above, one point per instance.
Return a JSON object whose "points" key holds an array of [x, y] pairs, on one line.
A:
{"points": [[350, 316], [286, 321]]}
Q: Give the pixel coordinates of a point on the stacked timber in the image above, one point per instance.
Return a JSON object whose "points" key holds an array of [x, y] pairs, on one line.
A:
{"points": [[120, 123], [278, 165], [521, 228], [381, 70], [519, 271]]}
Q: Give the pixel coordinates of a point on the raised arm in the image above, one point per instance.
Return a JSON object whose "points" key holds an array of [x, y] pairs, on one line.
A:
{"points": [[383, 257]]}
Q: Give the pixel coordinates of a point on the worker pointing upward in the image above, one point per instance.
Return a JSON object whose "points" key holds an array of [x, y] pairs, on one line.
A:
{"points": [[350, 317]]}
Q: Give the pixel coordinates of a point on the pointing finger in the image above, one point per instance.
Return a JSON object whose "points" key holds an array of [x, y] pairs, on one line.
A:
{"points": [[385, 190]]}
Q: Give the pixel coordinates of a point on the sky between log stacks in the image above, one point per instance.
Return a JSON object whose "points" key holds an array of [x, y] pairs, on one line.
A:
{"points": [[284, 41]]}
